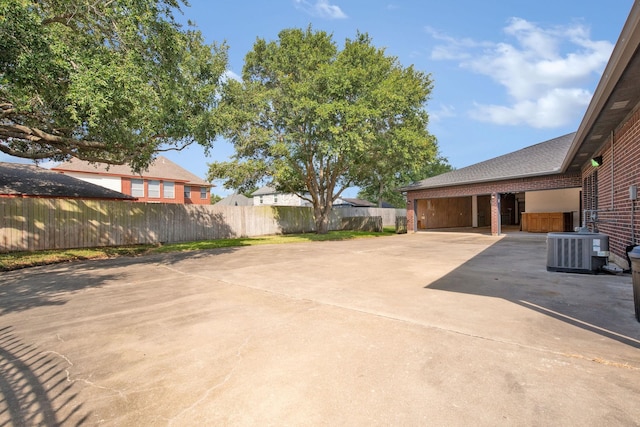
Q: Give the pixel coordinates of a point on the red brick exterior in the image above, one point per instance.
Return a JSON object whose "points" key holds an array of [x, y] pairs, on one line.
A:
{"points": [[195, 198], [548, 182], [620, 169], [179, 193]]}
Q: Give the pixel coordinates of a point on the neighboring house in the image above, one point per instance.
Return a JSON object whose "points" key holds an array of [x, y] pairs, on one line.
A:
{"points": [[348, 202], [270, 197], [602, 159], [24, 180], [163, 182], [235, 200]]}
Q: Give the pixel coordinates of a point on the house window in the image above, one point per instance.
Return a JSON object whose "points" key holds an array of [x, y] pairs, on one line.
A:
{"points": [[169, 190], [261, 201], [154, 189], [203, 193], [187, 192], [137, 188], [275, 198]]}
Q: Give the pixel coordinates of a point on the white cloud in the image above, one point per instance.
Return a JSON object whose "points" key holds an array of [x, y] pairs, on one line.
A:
{"points": [[452, 48], [321, 8], [443, 111], [543, 71], [554, 108]]}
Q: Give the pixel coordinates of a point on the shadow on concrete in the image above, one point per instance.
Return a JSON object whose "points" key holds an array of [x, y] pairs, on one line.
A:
{"points": [[50, 285], [514, 269], [25, 289], [34, 386]]}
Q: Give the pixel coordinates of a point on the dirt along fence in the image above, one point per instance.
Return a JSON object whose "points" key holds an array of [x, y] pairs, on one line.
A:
{"points": [[37, 224]]}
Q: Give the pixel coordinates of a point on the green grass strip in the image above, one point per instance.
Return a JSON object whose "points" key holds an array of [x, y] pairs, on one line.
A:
{"points": [[17, 260]]}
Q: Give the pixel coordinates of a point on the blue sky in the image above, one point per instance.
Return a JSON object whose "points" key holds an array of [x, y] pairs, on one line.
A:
{"points": [[507, 74]]}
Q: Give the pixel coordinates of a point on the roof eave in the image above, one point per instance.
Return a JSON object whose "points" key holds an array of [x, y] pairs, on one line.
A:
{"points": [[480, 181], [620, 57]]}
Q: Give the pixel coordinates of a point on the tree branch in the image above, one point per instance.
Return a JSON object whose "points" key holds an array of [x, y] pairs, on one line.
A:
{"points": [[25, 155]]}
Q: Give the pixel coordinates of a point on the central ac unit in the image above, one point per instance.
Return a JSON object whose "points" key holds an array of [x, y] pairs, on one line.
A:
{"points": [[578, 252]]}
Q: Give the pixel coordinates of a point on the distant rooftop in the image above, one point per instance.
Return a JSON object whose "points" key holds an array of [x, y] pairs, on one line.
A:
{"points": [[161, 168], [235, 200], [31, 180]]}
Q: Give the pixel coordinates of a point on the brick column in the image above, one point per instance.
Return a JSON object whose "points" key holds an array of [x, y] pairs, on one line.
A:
{"points": [[411, 222], [495, 214]]}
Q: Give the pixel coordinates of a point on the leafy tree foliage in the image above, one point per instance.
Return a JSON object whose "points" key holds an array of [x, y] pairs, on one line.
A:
{"points": [[311, 119], [107, 81], [215, 198], [380, 187]]}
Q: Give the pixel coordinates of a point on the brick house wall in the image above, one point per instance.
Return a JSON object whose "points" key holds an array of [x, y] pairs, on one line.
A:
{"points": [[195, 195], [617, 215], [178, 192], [494, 188]]}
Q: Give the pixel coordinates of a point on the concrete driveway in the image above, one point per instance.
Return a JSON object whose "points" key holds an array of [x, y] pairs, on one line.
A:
{"points": [[417, 329]]}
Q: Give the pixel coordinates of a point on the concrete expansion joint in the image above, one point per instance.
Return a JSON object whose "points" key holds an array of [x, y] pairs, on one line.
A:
{"points": [[598, 360]]}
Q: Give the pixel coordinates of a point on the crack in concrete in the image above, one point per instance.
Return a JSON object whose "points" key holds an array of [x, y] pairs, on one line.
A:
{"points": [[207, 392], [82, 380]]}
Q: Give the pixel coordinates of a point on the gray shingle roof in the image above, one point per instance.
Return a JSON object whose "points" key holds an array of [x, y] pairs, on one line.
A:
{"points": [[540, 159], [263, 191], [161, 168], [358, 202], [235, 200], [30, 180]]}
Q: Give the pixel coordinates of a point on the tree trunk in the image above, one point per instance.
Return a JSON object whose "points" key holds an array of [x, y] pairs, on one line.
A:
{"points": [[321, 215]]}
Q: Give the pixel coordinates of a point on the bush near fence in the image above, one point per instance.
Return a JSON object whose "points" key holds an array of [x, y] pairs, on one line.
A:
{"points": [[362, 223], [28, 224], [401, 225]]}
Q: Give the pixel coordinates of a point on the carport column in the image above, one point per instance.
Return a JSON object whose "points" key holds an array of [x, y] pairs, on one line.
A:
{"points": [[474, 211], [495, 214], [411, 214]]}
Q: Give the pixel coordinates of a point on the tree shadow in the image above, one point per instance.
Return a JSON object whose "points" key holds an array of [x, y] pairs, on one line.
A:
{"points": [[602, 303], [50, 285], [34, 386], [45, 286]]}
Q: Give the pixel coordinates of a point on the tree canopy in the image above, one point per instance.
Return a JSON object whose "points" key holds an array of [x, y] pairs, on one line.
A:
{"points": [[382, 186], [311, 119], [113, 81]]}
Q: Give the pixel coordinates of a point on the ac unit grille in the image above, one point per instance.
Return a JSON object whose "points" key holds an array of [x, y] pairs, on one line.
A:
{"points": [[576, 252], [570, 253]]}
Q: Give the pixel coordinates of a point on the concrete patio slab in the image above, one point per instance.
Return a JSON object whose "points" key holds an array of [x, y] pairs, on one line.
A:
{"points": [[418, 329]]}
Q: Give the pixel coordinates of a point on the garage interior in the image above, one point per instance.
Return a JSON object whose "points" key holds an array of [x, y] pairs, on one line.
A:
{"points": [[534, 211]]}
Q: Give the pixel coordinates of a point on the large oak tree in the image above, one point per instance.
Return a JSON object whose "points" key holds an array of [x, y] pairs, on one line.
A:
{"points": [[311, 119], [110, 81], [383, 184]]}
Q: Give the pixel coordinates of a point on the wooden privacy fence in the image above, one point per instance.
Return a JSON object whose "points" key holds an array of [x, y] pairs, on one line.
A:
{"points": [[38, 224]]}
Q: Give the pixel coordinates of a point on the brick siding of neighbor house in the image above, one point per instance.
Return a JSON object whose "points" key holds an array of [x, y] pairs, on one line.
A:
{"points": [[547, 182], [620, 169], [178, 192], [195, 198]]}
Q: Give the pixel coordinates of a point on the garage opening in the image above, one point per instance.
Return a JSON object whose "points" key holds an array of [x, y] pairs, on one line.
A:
{"points": [[444, 213]]}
